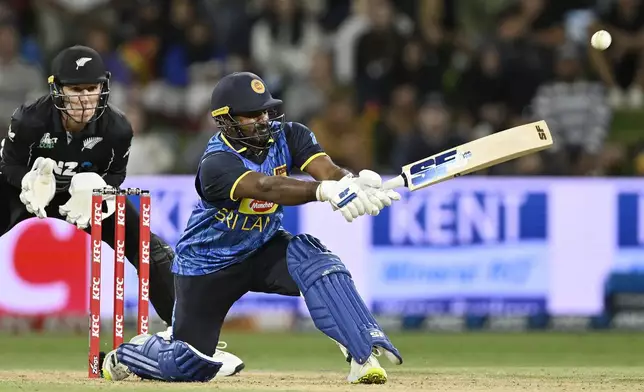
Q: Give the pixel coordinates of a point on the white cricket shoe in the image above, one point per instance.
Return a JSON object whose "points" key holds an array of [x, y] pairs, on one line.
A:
{"points": [[166, 335], [368, 373], [232, 364], [113, 370]]}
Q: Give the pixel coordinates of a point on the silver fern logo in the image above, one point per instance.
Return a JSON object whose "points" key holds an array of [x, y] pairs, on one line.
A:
{"points": [[89, 143], [82, 61]]}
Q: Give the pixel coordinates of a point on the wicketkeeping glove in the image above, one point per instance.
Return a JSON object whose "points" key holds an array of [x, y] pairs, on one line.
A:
{"points": [[38, 186], [78, 208]]}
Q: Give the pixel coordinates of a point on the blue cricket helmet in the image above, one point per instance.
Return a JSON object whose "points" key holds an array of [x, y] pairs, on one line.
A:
{"points": [[241, 93]]}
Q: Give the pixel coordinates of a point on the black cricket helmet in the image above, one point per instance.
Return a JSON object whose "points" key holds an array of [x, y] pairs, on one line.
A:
{"points": [[78, 65], [245, 94]]}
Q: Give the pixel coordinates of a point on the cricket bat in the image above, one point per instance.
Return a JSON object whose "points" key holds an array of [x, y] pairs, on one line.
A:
{"points": [[476, 155]]}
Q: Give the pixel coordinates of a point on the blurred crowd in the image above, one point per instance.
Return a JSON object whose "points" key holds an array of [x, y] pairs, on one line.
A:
{"points": [[380, 82]]}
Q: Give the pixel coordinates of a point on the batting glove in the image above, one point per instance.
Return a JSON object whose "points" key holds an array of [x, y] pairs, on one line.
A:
{"points": [[371, 184], [347, 196], [38, 186]]}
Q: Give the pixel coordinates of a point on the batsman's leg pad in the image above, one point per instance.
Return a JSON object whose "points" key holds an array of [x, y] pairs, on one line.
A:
{"points": [[142, 360], [332, 299], [167, 361]]}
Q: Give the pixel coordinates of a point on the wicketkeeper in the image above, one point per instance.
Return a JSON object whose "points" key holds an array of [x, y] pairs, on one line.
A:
{"points": [[67, 143]]}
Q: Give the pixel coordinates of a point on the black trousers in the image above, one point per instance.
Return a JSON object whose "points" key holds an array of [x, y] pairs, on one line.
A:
{"points": [[203, 301], [12, 212]]}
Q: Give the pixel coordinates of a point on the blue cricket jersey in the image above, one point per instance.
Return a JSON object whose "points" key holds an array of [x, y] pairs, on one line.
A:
{"points": [[222, 230]]}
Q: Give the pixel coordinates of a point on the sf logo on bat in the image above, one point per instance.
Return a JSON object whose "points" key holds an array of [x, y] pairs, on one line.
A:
{"points": [[436, 166], [542, 133]]}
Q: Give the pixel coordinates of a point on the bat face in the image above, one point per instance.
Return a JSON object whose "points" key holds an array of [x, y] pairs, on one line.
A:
{"points": [[476, 155], [430, 169]]}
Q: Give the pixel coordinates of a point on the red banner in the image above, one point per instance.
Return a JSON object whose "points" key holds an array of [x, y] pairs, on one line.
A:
{"points": [[43, 269]]}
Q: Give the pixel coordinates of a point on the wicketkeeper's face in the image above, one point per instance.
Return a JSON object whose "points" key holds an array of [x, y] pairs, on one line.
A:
{"points": [[81, 101]]}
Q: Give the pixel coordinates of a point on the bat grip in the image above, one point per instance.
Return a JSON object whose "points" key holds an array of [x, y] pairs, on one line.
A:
{"points": [[396, 182]]}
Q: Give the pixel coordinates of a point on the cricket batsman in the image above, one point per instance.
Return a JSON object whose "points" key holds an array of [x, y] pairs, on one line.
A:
{"points": [[234, 242], [67, 143]]}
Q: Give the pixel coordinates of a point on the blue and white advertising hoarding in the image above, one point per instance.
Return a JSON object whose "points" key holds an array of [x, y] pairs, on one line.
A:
{"points": [[474, 245]]}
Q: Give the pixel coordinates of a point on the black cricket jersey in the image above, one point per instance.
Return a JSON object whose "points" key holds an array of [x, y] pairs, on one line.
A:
{"points": [[36, 130]]}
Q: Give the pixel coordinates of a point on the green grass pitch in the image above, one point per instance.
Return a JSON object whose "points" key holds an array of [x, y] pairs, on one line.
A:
{"points": [[280, 362]]}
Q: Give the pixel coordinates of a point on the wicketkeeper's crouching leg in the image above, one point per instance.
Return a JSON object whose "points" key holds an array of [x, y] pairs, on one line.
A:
{"points": [[153, 358], [337, 309]]}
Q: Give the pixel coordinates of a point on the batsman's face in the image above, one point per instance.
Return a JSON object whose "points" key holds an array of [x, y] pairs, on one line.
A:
{"points": [[81, 101], [255, 126]]}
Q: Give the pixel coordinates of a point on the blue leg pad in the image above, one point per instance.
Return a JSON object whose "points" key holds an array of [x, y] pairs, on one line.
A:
{"points": [[332, 299], [176, 361]]}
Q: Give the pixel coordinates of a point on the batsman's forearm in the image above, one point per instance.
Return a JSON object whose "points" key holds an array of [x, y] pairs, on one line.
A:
{"points": [[339, 174], [288, 191]]}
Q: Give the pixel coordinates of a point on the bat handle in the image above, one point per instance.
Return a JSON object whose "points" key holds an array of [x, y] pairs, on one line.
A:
{"points": [[396, 182]]}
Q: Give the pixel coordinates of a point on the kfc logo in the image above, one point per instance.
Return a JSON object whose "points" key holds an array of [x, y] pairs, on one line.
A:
{"points": [[96, 325], [96, 288], [98, 213], [96, 251], [120, 251], [145, 321], [145, 252], [145, 290], [120, 214], [118, 325], [120, 291], [146, 215]]}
